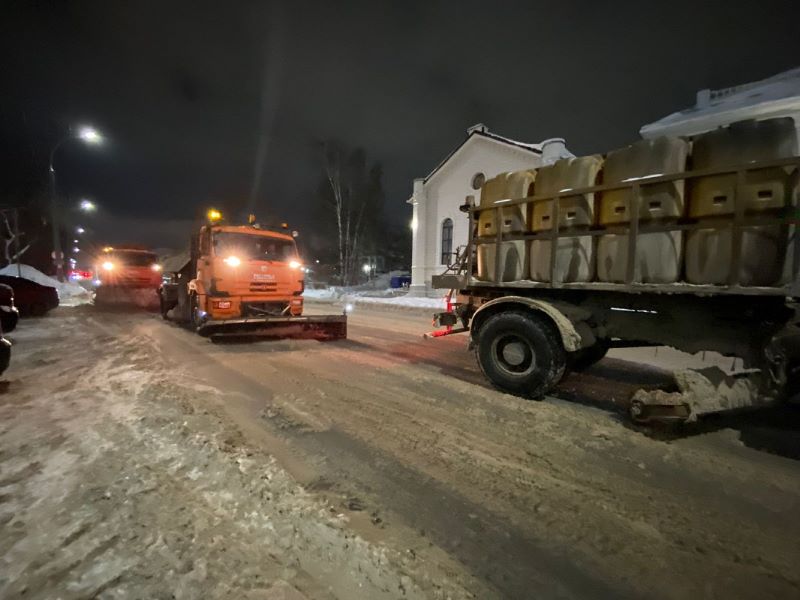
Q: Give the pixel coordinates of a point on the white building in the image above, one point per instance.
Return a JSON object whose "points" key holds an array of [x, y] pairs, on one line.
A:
{"points": [[439, 228], [776, 96]]}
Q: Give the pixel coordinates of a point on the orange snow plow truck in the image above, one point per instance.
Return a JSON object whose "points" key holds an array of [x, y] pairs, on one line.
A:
{"points": [[240, 281], [127, 275]]}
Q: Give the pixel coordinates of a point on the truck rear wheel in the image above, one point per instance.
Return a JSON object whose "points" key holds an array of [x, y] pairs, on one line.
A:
{"points": [[194, 307], [521, 353]]}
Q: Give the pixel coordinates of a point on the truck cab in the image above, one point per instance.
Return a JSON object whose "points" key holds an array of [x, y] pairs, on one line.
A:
{"points": [[127, 276], [127, 267], [244, 271]]}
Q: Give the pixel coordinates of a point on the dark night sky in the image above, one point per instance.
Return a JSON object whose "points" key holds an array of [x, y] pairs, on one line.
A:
{"points": [[185, 90]]}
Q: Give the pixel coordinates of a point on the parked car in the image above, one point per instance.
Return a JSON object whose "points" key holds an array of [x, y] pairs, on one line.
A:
{"points": [[5, 354], [9, 315], [31, 298]]}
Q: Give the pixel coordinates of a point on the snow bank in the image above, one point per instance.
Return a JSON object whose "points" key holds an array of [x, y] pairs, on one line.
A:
{"points": [[323, 294], [386, 298], [68, 293], [403, 301], [335, 293]]}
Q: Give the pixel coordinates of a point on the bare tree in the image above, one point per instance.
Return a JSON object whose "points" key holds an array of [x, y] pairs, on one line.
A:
{"points": [[9, 237], [355, 193]]}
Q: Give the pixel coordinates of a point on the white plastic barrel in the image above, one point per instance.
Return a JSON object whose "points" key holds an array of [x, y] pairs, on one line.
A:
{"points": [[512, 261], [574, 259], [765, 260], [658, 257]]}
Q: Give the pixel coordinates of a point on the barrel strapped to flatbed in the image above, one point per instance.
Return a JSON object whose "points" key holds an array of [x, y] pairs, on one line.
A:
{"points": [[737, 223]]}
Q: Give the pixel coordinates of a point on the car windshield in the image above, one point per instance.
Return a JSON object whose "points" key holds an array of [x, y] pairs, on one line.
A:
{"points": [[133, 259], [253, 247]]}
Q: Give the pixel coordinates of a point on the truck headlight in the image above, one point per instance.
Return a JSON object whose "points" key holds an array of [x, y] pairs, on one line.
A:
{"points": [[108, 265], [295, 264], [232, 261], [156, 267]]}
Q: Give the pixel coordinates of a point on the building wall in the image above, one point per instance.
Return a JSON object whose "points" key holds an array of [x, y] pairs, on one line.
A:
{"points": [[447, 189]]}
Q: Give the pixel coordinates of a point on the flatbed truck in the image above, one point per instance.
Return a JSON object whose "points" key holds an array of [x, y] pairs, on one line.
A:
{"points": [[527, 333]]}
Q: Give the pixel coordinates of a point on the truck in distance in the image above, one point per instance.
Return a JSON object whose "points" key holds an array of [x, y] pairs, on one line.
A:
{"points": [[127, 275]]}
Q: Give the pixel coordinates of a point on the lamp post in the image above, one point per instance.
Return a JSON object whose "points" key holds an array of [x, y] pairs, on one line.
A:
{"points": [[88, 135]]}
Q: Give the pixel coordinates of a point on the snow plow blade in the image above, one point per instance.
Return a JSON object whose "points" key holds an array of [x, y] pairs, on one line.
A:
{"points": [[112, 296], [324, 327]]}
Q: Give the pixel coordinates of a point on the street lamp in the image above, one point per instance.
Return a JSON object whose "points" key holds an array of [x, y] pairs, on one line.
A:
{"points": [[80, 230], [88, 135], [87, 206]]}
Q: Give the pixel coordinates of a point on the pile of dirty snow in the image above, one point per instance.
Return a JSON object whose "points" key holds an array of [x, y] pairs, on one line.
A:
{"points": [[68, 292]]}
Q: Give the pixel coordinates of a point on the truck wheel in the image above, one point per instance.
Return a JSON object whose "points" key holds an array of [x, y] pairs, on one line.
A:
{"points": [[521, 353], [194, 320], [586, 357]]}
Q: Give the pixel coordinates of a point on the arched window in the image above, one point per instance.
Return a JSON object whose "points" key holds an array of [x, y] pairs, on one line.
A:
{"points": [[447, 240]]}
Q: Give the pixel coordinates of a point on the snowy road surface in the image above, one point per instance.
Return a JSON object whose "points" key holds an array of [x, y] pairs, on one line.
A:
{"points": [[138, 460]]}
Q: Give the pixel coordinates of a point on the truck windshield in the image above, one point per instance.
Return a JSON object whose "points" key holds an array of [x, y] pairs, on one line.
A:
{"points": [[253, 247], [133, 259]]}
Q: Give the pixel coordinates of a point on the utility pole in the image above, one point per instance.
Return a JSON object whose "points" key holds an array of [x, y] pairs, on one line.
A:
{"points": [[57, 254], [89, 136]]}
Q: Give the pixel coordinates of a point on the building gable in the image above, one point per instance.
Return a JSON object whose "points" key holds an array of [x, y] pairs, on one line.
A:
{"points": [[486, 140], [478, 154]]}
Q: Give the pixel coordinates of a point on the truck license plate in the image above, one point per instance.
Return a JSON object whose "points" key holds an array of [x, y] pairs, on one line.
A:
{"points": [[263, 277]]}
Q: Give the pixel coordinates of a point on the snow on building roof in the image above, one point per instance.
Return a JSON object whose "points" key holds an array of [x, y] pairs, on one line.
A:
{"points": [[713, 108], [481, 130]]}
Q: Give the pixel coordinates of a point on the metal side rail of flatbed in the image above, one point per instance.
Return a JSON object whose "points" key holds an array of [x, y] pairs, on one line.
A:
{"points": [[463, 282], [321, 327]]}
